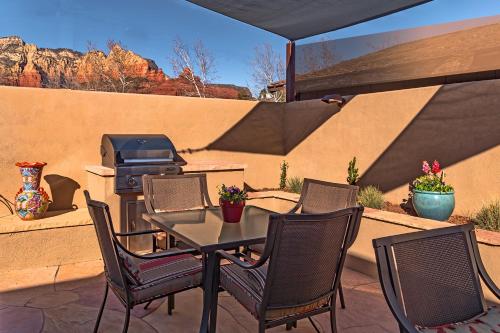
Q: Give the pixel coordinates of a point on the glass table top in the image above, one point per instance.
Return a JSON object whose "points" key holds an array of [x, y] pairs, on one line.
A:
{"points": [[205, 230]]}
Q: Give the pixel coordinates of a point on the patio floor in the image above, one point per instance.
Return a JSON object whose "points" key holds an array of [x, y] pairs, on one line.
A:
{"points": [[66, 299]]}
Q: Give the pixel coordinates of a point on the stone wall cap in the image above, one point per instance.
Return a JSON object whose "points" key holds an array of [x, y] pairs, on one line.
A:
{"points": [[210, 165], [192, 166], [274, 194], [483, 236], [100, 170], [53, 219]]}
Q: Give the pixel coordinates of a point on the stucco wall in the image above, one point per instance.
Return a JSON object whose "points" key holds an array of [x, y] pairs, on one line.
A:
{"points": [[390, 133]]}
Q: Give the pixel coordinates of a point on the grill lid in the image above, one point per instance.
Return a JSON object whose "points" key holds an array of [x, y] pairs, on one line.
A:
{"points": [[138, 149]]}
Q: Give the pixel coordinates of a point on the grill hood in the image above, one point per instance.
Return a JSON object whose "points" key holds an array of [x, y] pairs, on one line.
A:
{"points": [[138, 149]]}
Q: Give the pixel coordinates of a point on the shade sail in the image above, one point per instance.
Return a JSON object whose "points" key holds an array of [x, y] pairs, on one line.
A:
{"points": [[297, 19]]}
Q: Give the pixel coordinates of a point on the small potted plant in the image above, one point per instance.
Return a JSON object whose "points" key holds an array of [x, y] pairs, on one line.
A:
{"points": [[432, 197], [232, 202]]}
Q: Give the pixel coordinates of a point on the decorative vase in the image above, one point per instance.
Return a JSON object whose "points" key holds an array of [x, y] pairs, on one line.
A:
{"points": [[434, 205], [31, 201], [231, 211]]}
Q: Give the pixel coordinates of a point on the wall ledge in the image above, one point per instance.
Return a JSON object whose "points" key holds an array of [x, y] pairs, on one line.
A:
{"points": [[274, 195], [192, 166], [483, 236], [55, 219]]}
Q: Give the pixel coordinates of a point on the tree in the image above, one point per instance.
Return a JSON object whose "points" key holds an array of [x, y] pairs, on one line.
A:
{"points": [[121, 72], [112, 72], [268, 68], [195, 64]]}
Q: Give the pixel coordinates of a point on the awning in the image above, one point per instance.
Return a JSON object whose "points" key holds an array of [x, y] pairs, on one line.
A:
{"points": [[297, 19]]}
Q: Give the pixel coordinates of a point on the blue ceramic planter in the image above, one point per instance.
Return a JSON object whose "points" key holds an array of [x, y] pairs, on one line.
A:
{"points": [[434, 205]]}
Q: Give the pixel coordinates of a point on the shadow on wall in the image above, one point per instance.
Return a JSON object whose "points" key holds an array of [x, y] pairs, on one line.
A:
{"points": [[459, 121], [62, 191], [270, 128]]}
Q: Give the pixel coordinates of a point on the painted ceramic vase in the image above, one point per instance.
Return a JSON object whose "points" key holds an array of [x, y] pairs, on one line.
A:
{"points": [[434, 205], [31, 201]]}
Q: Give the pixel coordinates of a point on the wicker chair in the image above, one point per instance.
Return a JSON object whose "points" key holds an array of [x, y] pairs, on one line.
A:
{"points": [[321, 197], [431, 281], [318, 196], [164, 193], [175, 192], [298, 273], [137, 279]]}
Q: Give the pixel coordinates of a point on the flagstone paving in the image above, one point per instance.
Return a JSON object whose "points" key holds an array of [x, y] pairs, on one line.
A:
{"points": [[66, 298]]}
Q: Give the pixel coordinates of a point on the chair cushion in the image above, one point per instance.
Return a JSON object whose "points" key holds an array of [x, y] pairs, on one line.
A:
{"points": [[150, 278], [488, 322], [247, 286]]}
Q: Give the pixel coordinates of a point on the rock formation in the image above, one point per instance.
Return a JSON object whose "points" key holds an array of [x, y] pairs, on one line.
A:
{"points": [[119, 70]]}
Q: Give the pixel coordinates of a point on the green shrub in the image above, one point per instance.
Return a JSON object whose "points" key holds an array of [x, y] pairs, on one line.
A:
{"points": [[371, 196], [284, 168], [294, 184], [488, 216], [352, 172]]}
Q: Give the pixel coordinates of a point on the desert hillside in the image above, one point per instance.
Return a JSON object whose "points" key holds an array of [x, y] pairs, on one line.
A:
{"points": [[119, 70]]}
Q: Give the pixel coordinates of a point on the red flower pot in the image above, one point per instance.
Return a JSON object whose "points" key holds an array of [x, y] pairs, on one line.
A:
{"points": [[231, 212]]}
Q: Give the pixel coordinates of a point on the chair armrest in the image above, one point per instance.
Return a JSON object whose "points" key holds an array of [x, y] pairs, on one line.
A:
{"points": [[164, 255], [488, 281], [295, 208], [138, 233], [156, 255], [236, 259]]}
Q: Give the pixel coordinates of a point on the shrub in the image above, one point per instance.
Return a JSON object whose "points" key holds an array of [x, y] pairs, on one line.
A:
{"points": [[352, 172], [284, 168], [371, 196], [488, 216], [294, 184]]}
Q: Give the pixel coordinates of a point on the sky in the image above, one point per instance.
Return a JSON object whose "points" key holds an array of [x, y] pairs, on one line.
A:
{"points": [[149, 27]]}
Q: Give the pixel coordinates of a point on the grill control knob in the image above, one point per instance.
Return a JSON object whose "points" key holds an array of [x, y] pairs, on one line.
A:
{"points": [[131, 181]]}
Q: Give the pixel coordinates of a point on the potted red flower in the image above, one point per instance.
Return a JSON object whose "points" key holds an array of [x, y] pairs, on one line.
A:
{"points": [[432, 197], [232, 202]]}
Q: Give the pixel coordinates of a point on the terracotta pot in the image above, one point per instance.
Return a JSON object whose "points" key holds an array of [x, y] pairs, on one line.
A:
{"points": [[31, 200], [231, 212]]}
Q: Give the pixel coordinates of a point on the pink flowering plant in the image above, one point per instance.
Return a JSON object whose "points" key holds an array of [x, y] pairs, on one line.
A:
{"points": [[233, 194], [432, 180]]}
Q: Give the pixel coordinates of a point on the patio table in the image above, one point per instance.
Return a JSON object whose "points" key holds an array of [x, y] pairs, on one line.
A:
{"points": [[205, 231]]}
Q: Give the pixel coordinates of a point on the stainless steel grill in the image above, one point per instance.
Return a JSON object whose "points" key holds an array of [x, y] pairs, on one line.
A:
{"points": [[132, 156], [135, 155]]}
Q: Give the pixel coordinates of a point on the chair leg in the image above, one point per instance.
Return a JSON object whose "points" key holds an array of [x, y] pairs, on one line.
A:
{"points": [[127, 319], [215, 300], [154, 243], [170, 304], [171, 241], [290, 325], [314, 325], [262, 327], [333, 318], [101, 309], [341, 296]]}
